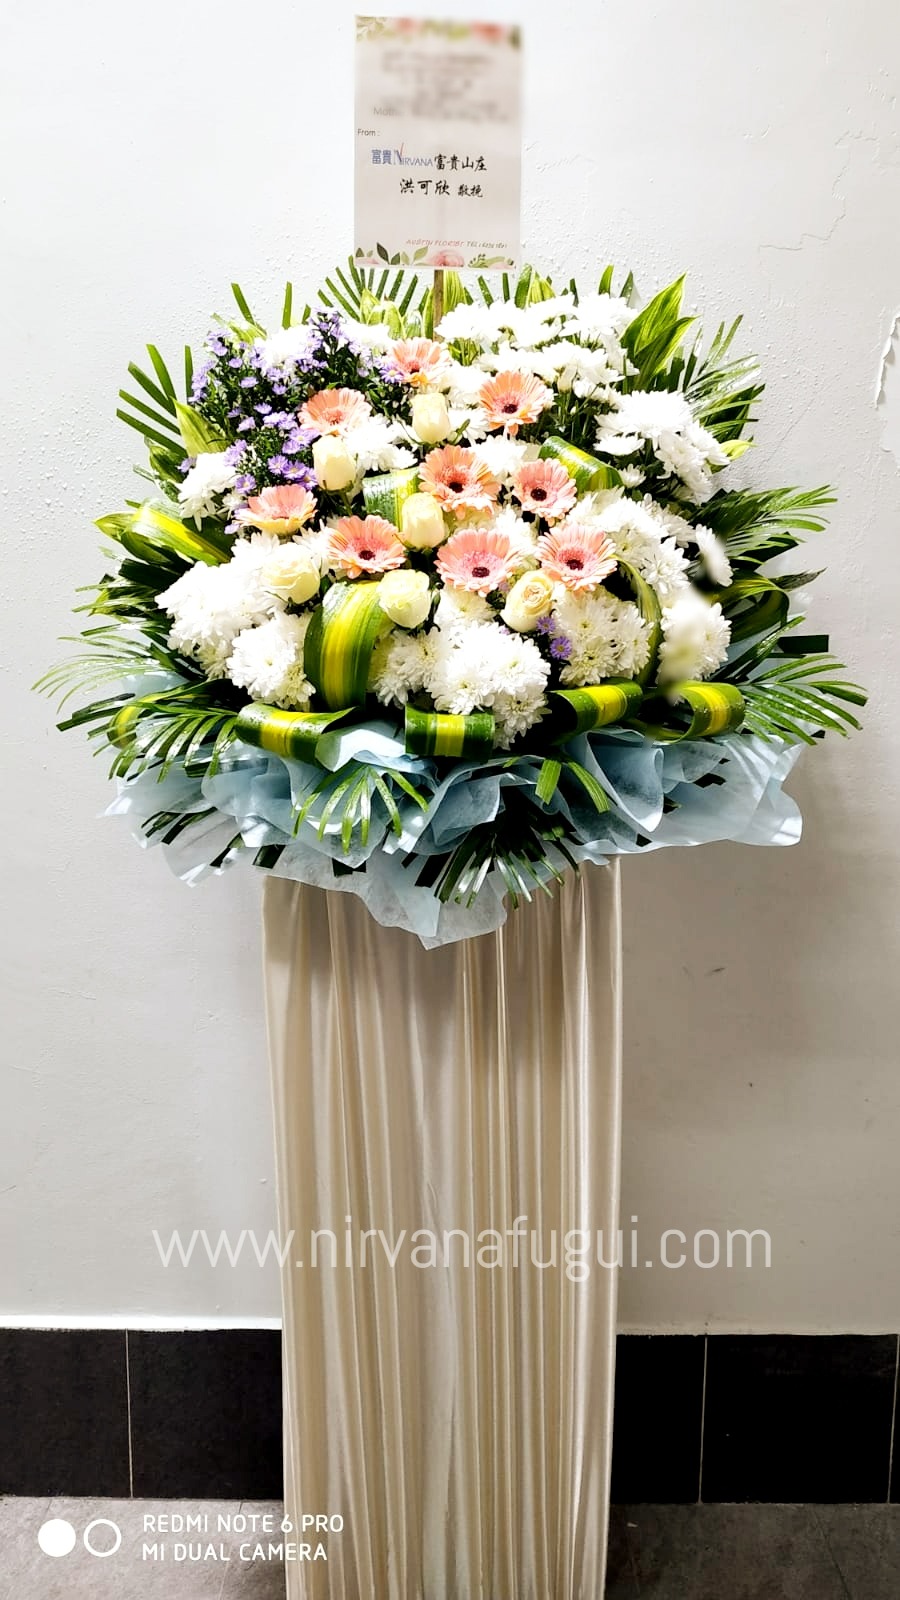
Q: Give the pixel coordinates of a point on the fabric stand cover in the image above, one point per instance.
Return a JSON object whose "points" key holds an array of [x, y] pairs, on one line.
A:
{"points": [[461, 1106]]}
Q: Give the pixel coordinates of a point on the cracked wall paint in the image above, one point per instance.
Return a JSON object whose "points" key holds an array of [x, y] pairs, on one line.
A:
{"points": [[887, 390]]}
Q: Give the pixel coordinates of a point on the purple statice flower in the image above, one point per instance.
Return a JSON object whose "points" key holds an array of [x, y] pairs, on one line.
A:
{"points": [[263, 408], [247, 425], [249, 382], [236, 361]]}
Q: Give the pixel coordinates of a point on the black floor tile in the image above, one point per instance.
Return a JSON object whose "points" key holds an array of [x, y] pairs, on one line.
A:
{"points": [[656, 1439], [63, 1413], [792, 1419], [865, 1545], [619, 1574], [728, 1553], [206, 1414]]}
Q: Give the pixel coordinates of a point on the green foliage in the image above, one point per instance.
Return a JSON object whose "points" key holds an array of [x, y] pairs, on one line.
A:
{"points": [[755, 526], [345, 799], [796, 697]]}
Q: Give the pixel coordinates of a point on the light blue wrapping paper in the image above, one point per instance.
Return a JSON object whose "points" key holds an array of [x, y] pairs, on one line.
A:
{"points": [[656, 792]]}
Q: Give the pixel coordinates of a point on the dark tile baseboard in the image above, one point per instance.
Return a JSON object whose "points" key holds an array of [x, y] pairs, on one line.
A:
{"points": [[197, 1415]]}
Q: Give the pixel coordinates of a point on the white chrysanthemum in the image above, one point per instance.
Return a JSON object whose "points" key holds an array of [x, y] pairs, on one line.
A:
{"points": [[713, 555], [513, 358], [399, 667], [664, 419], [695, 638], [250, 555], [577, 366], [522, 536], [209, 478], [487, 667], [371, 335], [315, 543], [504, 456], [691, 456], [462, 384], [640, 537], [284, 348], [268, 662], [607, 637], [459, 609], [376, 446], [210, 606], [473, 322]]}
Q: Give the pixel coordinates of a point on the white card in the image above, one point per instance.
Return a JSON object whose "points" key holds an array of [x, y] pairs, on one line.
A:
{"points": [[438, 143]]}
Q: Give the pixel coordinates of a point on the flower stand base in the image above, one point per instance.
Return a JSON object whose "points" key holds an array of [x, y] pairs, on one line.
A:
{"points": [[448, 1127]]}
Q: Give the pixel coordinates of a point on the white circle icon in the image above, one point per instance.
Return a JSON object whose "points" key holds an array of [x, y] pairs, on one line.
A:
{"points": [[56, 1537], [101, 1522]]}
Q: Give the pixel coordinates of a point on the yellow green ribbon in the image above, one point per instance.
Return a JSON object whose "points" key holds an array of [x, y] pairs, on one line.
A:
{"points": [[384, 495], [292, 734], [715, 708], [595, 705], [438, 733], [339, 642], [588, 472]]}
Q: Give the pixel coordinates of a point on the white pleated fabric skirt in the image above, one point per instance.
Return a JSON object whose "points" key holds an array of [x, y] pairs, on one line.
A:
{"points": [[447, 1126]]}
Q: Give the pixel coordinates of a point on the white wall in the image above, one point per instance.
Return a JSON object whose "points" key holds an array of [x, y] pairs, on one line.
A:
{"points": [[157, 153]]}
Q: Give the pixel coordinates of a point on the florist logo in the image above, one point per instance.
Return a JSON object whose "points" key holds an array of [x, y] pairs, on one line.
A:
{"points": [[399, 158]]}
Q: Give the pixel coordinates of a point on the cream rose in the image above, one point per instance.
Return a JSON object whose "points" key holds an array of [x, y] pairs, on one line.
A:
{"points": [[333, 464], [529, 599], [422, 524], [430, 418], [291, 575], [405, 597]]}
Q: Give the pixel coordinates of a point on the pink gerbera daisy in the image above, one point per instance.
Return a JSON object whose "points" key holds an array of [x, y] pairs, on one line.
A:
{"points": [[578, 557], [475, 558], [513, 398], [365, 544], [418, 361], [458, 480], [282, 509], [545, 488], [334, 410]]}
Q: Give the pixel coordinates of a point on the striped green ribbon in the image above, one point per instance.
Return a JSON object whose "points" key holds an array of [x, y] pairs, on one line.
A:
{"points": [[293, 734], [339, 642], [715, 708], [596, 705], [384, 495], [588, 471], [438, 733]]}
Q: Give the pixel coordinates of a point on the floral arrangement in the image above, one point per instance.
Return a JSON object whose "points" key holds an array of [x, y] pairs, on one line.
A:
{"points": [[432, 608]]}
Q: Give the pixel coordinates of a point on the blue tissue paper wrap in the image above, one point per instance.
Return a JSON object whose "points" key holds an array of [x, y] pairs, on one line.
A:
{"points": [[684, 793]]}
